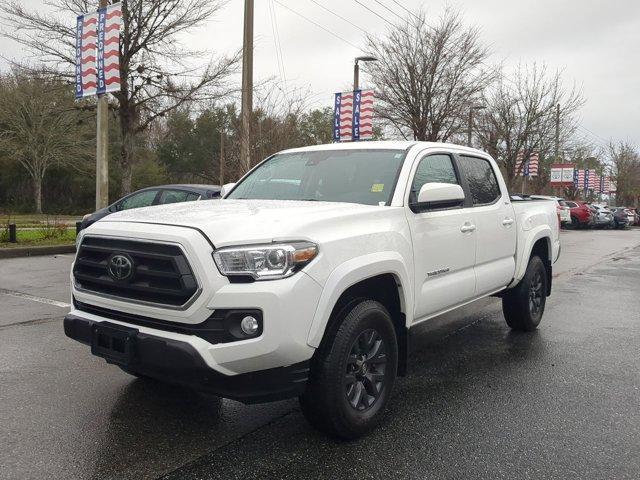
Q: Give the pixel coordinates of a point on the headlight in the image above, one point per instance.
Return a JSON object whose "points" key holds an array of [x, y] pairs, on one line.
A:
{"points": [[265, 262]]}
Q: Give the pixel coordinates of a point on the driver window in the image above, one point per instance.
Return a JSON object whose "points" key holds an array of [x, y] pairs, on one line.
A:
{"points": [[433, 168]]}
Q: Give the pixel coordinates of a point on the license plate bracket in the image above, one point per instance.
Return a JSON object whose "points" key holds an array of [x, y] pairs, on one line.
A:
{"points": [[114, 343]]}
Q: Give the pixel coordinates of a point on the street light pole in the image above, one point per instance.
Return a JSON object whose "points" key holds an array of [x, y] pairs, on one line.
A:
{"points": [[356, 70], [102, 147]]}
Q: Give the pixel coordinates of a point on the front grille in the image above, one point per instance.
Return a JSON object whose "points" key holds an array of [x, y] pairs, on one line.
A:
{"points": [[161, 273]]}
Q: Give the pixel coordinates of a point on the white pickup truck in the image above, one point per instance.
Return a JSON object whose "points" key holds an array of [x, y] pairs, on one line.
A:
{"points": [[308, 277]]}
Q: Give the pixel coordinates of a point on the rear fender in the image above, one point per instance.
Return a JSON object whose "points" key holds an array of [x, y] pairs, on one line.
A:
{"points": [[523, 253]]}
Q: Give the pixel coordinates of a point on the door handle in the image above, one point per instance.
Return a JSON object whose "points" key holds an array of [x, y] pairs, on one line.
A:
{"points": [[507, 222], [467, 227]]}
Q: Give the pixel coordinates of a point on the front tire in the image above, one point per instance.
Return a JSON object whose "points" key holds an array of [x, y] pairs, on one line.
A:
{"points": [[523, 306], [353, 372]]}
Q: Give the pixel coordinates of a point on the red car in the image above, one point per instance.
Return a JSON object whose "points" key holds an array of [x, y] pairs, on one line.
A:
{"points": [[581, 214]]}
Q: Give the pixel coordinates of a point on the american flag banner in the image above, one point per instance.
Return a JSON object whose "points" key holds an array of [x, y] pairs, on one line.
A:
{"points": [[98, 52], [585, 182], [353, 116], [593, 179], [343, 117], [86, 51], [605, 184], [579, 179], [530, 168], [108, 60]]}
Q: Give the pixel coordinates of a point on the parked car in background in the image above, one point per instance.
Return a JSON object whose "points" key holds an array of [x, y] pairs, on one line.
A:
{"points": [[564, 212], [623, 217], [581, 214], [603, 216], [621, 220], [636, 214], [147, 197]]}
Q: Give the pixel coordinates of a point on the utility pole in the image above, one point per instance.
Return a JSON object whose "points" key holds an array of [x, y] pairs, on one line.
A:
{"points": [[222, 160], [558, 132], [247, 86], [102, 148]]}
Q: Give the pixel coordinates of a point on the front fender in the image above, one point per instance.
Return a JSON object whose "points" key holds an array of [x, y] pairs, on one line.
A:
{"points": [[352, 272]]}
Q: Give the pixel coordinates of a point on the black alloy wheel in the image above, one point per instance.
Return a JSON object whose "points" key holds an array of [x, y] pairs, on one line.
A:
{"points": [[536, 294], [353, 371], [365, 375]]}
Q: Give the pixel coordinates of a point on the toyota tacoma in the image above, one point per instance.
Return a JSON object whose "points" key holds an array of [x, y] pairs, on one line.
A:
{"points": [[308, 277]]}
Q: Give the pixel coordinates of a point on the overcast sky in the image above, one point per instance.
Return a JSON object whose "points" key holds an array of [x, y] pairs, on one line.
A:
{"points": [[595, 43]]}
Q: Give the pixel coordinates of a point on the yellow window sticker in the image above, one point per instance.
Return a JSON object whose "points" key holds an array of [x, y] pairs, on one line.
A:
{"points": [[377, 187]]}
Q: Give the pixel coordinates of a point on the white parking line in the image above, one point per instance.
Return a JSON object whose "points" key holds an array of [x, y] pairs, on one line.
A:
{"points": [[34, 298]]}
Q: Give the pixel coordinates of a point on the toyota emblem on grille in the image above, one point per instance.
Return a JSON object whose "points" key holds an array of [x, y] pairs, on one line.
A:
{"points": [[120, 267]]}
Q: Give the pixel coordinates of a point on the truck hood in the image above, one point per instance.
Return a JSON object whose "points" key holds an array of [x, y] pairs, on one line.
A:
{"points": [[233, 222]]}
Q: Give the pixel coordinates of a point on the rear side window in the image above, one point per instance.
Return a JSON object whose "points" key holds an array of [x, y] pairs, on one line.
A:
{"points": [[177, 196], [481, 178], [434, 168], [571, 204]]}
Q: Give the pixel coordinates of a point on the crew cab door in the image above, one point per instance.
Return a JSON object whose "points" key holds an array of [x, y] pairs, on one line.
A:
{"points": [[495, 222], [444, 241]]}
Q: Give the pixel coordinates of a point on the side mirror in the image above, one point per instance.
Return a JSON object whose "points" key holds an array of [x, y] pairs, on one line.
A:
{"points": [[439, 195], [226, 188]]}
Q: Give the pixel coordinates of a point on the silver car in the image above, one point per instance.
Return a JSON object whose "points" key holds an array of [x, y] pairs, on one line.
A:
{"points": [[603, 216]]}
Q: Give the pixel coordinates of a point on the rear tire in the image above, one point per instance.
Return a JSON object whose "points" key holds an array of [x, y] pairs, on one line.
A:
{"points": [[523, 306], [352, 373]]}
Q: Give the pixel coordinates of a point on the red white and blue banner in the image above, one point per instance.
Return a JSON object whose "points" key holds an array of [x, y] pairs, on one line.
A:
{"points": [[531, 166], [98, 52], [588, 179], [86, 51], [353, 116]]}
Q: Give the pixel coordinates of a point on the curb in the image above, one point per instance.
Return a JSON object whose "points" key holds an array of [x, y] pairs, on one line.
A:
{"points": [[36, 251]]}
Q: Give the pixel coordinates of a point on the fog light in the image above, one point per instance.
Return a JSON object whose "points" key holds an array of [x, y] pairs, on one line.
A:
{"points": [[249, 325]]}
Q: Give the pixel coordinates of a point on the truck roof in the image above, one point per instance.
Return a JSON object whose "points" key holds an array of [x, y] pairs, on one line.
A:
{"points": [[383, 145]]}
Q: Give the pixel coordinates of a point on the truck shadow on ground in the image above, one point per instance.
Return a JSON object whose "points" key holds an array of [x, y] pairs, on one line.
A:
{"points": [[468, 357], [448, 374]]}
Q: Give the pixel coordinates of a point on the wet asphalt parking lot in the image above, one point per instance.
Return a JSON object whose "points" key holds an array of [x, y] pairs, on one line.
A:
{"points": [[478, 401]]}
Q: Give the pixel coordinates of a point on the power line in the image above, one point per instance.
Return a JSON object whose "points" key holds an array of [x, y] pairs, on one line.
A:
{"points": [[593, 133], [340, 17], [406, 9], [374, 12], [389, 10], [318, 25], [278, 45]]}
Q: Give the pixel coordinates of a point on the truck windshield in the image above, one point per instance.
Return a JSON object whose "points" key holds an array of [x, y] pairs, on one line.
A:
{"points": [[353, 176]]}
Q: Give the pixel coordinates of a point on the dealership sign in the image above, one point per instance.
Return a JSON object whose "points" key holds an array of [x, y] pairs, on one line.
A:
{"points": [[562, 174]]}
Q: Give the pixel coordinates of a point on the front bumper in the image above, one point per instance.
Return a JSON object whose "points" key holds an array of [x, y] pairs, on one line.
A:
{"points": [[178, 362], [288, 306]]}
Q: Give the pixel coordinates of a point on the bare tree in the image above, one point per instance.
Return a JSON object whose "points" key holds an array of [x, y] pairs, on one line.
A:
{"points": [[520, 118], [39, 126], [156, 71], [428, 76], [625, 161]]}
